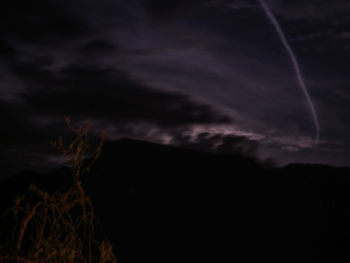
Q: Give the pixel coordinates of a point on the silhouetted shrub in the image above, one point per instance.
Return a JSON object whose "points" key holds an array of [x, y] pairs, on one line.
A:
{"points": [[58, 227]]}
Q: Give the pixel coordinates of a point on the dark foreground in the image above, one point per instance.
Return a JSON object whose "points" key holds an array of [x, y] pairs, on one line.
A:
{"points": [[161, 204]]}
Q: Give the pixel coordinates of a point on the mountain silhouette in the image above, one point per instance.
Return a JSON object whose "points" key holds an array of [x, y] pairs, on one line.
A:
{"points": [[165, 204]]}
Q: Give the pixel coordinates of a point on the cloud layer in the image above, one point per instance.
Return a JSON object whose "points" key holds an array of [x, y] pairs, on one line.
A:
{"points": [[207, 74]]}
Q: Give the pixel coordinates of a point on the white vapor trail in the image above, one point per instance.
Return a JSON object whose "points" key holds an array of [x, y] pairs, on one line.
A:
{"points": [[295, 63]]}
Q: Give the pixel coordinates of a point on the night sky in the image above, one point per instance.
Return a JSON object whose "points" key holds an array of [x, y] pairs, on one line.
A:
{"points": [[207, 74]]}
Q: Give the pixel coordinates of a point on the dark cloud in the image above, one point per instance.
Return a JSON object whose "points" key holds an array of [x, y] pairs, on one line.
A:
{"points": [[294, 9], [309, 10], [170, 9], [96, 47], [24, 142], [33, 73], [123, 105], [22, 129], [13, 122], [38, 22], [7, 50], [108, 94], [219, 143]]}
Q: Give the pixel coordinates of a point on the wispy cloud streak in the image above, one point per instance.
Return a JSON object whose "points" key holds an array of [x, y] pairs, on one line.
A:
{"points": [[296, 66]]}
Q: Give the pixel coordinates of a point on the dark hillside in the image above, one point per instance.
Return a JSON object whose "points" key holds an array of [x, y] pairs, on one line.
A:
{"points": [[163, 204]]}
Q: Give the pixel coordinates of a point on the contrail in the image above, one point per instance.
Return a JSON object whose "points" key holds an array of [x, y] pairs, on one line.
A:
{"points": [[295, 63]]}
